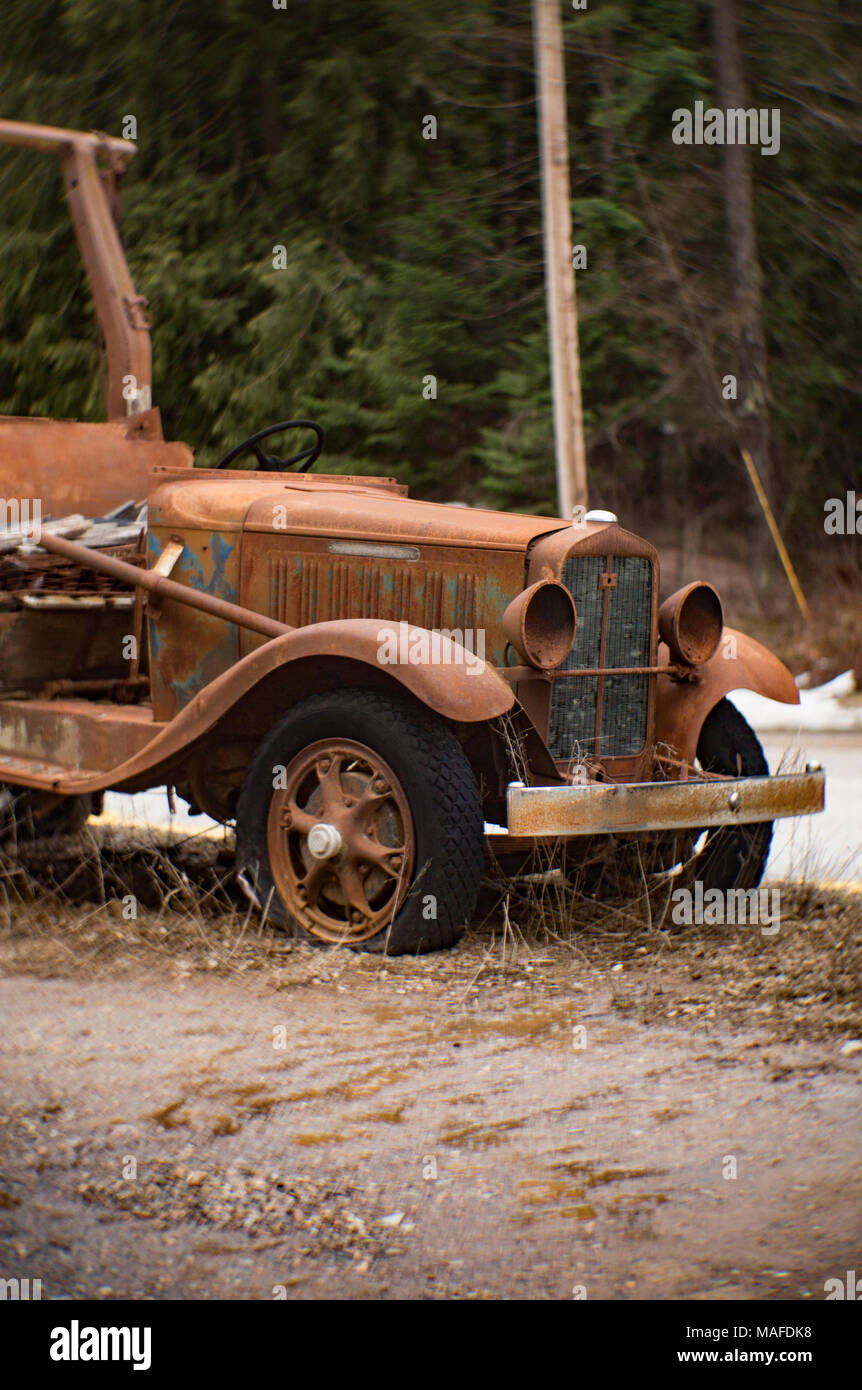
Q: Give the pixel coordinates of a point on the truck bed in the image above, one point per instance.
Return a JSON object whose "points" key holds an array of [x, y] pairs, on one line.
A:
{"points": [[60, 622]]}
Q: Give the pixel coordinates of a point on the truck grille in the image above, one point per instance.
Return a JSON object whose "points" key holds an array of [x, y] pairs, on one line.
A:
{"points": [[618, 728]]}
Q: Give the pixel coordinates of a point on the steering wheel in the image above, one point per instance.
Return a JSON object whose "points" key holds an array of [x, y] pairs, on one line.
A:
{"points": [[271, 463]]}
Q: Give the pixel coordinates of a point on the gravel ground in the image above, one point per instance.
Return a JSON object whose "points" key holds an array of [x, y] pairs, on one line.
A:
{"points": [[194, 1106]]}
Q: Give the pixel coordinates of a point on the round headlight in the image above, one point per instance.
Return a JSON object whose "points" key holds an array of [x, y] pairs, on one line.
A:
{"points": [[541, 624], [691, 623]]}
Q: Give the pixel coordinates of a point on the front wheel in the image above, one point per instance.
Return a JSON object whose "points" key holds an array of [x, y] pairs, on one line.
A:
{"points": [[724, 857], [359, 823], [731, 856]]}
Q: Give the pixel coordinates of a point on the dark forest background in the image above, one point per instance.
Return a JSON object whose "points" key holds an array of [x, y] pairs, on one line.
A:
{"points": [[406, 257]]}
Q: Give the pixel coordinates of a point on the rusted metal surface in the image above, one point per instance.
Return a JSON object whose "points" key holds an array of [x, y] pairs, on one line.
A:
{"points": [[190, 647], [547, 556], [66, 626], [89, 468], [163, 588], [290, 569], [341, 841], [549, 550], [691, 622], [121, 689], [39, 645], [668, 669], [333, 511], [187, 498], [442, 581], [740, 663], [445, 688], [38, 575], [609, 808], [46, 742], [540, 624], [92, 165]]}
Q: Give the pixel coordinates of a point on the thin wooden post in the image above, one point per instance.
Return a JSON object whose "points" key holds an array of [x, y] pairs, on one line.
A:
{"points": [[559, 268], [776, 535]]}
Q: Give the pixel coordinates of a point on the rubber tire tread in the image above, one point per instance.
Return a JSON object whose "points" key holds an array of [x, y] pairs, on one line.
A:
{"points": [[440, 787], [735, 857]]}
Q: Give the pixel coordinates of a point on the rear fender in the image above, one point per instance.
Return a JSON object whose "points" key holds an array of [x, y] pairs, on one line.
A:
{"points": [[739, 663]]}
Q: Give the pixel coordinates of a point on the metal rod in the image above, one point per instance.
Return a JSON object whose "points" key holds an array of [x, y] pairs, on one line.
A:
{"points": [[158, 585], [93, 196], [50, 138], [670, 670]]}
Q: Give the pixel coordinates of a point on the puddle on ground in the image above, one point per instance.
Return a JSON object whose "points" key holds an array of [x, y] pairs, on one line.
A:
{"points": [[171, 1116], [553, 1024], [544, 1197], [588, 1175], [328, 1137], [479, 1136]]}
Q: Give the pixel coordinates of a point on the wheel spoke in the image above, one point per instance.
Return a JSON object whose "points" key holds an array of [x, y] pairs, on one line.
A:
{"points": [[328, 771], [381, 856], [292, 817], [358, 888], [314, 880], [369, 802], [354, 889]]}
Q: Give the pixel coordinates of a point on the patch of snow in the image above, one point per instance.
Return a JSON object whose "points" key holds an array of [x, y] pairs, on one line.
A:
{"points": [[150, 810], [820, 708]]}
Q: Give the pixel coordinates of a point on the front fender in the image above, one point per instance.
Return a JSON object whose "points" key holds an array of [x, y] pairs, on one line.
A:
{"points": [[458, 689], [455, 683], [739, 663]]}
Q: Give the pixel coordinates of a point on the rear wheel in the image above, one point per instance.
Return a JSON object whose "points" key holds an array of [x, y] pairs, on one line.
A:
{"points": [[33, 815], [359, 823]]}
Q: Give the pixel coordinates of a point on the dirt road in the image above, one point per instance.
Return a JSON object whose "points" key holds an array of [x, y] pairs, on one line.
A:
{"points": [[198, 1114]]}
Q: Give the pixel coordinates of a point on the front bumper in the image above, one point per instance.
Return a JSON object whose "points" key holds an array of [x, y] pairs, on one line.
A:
{"points": [[608, 808]]}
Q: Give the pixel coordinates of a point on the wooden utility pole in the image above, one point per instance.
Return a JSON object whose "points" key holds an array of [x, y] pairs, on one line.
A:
{"points": [[559, 268], [752, 413]]}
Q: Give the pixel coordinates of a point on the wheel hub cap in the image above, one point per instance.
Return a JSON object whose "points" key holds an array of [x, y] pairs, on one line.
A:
{"points": [[341, 841], [324, 840]]}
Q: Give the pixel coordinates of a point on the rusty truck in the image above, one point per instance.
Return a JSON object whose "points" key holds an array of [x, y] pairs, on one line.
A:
{"points": [[377, 691]]}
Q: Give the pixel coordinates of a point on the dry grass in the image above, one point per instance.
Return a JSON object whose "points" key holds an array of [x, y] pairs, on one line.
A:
{"points": [[106, 896], [62, 912]]}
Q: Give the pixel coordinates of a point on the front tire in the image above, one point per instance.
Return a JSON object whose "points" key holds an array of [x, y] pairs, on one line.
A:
{"points": [[728, 856], [731, 856], [359, 823]]}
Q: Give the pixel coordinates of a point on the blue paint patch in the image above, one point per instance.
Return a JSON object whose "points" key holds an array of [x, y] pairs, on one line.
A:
{"points": [[190, 568]]}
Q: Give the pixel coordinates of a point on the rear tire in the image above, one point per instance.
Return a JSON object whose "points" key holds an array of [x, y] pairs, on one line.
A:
{"points": [[32, 815], [397, 863]]}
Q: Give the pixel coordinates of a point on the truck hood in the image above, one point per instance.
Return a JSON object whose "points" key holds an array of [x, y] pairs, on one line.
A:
{"points": [[338, 508]]}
